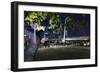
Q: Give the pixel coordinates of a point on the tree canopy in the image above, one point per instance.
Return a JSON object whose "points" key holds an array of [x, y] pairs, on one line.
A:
{"points": [[54, 20]]}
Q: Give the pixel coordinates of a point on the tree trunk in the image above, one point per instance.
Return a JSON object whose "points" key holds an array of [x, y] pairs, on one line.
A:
{"points": [[44, 34], [35, 37], [65, 34]]}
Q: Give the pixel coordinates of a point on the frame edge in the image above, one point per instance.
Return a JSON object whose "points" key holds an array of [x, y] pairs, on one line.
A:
{"points": [[14, 38]]}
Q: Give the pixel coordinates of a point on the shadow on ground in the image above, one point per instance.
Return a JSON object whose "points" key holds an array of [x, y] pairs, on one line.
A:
{"points": [[65, 53]]}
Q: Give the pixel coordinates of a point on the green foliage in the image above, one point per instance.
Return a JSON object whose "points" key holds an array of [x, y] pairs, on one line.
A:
{"points": [[54, 21], [82, 24], [70, 22], [74, 24], [36, 16], [40, 16]]}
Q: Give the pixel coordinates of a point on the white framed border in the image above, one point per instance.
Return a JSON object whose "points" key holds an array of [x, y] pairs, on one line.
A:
{"points": [[38, 64]]}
